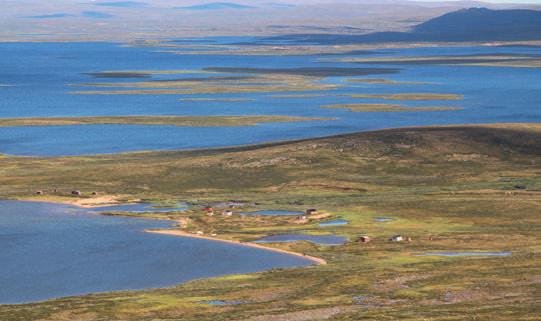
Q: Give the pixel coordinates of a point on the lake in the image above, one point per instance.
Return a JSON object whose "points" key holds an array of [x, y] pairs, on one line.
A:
{"points": [[51, 250], [38, 76]]}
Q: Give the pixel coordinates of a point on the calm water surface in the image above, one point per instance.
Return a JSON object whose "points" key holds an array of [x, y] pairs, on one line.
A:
{"points": [[334, 223], [50, 251], [39, 75]]}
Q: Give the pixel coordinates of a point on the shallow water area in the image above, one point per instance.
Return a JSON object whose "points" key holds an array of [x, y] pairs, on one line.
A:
{"points": [[383, 219], [337, 222]]}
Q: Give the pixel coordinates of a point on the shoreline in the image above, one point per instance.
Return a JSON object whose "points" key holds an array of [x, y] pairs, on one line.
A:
{"points": [[87, 203], [317, 260]]}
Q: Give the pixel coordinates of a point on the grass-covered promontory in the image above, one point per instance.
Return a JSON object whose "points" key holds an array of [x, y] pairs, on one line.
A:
{"points": [[387, 108], [457, 188], [188, 121], [409, 96]]}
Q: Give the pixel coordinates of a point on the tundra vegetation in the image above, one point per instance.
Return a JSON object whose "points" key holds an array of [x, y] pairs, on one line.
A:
{"points": [[251, 83], [188, 121], [367, 108], [496, 60], [409, 96], [449, 189]]}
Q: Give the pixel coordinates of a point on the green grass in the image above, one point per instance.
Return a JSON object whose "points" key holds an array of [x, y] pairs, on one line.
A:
{"points": [[191, 121], [448, 188], [388, 108], [410, 96]]}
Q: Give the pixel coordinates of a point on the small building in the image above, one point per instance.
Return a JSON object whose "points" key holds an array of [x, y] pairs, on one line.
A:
{"points": [[397, 238], [311, 211], [39, 192], [209, 210], [364, 239], [76, 193], [94, 193], [227, 213]]}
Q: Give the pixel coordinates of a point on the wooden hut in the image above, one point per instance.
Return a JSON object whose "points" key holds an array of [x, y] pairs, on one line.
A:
{"points": [[76, 193], [364, 239]]}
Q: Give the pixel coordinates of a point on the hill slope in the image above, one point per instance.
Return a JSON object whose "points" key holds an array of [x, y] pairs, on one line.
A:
{"points": [[474, 24]]}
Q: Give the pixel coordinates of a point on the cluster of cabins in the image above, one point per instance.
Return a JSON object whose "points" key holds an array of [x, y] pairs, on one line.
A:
{"points": [[395, 238], [73, 193], [228, 212], [362, 239]]}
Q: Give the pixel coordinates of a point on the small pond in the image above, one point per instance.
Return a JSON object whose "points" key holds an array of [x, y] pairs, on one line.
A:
{"points": [[383, 219], [318, 239], [334, 223]]}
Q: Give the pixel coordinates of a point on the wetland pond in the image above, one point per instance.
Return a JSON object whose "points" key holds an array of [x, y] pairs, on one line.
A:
{"points": [[51, 250], [337, 222]]}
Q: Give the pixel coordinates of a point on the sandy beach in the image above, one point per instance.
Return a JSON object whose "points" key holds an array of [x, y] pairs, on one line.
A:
{"points": [[316, 260], [92, 202]]}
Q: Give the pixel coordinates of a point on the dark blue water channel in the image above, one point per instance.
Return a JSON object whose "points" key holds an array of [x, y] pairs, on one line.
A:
{"points": [[49, 250]]}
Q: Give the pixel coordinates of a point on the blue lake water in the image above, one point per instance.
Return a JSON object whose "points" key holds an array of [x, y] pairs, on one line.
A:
{"points": [[334, 223], [50, 251], [318, 239], [38, 75]]}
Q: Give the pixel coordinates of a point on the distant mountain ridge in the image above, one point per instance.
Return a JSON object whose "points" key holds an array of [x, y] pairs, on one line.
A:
{"points": [[473, 24], [216, 6], [485, 22]]}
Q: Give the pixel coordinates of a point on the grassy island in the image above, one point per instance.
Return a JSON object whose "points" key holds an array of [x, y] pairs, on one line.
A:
{"points": [[368, 108], [409, 96], [189, 121]]}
